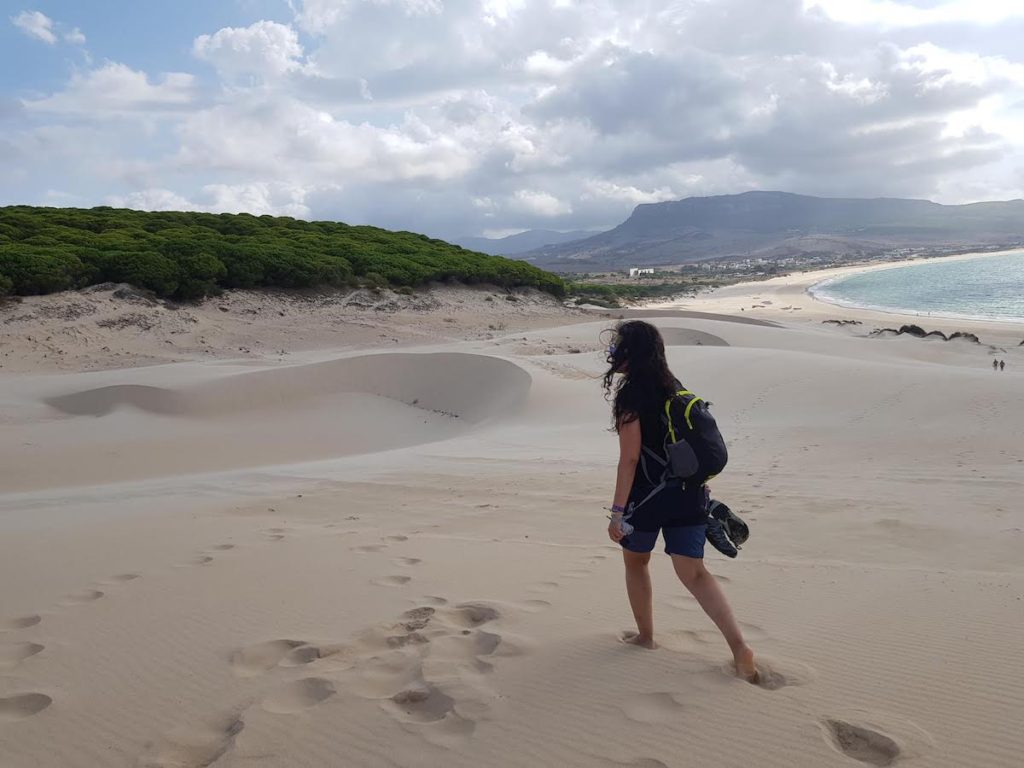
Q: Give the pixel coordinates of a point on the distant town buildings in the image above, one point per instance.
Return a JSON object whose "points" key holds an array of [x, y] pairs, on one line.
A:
{"points": [[640, 271]]}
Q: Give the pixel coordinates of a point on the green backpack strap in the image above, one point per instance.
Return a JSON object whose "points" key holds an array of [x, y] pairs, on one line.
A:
{"points": [[686, 413]]}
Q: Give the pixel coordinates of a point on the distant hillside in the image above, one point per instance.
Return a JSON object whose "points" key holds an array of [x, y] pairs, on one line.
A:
{"points": [[190, 255], [521, 243], [776, 224]]}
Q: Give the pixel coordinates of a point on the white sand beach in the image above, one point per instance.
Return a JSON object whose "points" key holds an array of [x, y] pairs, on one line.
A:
{"points": [[330, 536]]}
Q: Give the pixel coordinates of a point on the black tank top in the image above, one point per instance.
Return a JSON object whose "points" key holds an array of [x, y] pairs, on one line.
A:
{"points": [[674, 505]]}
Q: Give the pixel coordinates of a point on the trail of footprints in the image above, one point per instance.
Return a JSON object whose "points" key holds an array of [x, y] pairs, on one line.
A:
{"points": [[20, 706], [859, 742], [393, 580], [426, 671]]}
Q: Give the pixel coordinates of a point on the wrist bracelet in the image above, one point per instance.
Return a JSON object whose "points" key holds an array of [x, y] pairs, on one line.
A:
{"points": [[617, 509]]}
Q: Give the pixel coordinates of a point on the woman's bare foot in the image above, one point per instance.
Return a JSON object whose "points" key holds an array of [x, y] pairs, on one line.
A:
{"points": [[745, 667], [635, 638]]}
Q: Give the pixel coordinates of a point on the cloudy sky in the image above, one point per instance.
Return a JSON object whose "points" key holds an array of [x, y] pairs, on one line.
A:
{"points": [[464, 117]]}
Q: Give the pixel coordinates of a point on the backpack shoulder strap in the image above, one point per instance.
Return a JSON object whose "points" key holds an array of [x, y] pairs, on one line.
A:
{"points": [[686, 414]]}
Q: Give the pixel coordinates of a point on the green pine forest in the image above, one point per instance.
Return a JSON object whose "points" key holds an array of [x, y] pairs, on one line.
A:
{"points": [[185, 256]]}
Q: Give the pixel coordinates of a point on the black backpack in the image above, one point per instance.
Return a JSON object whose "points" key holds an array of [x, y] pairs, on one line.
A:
{"points": [[694, 450]]}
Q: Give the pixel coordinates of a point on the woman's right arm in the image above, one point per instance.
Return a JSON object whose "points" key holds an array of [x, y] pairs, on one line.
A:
{"points": [[629, 456]]}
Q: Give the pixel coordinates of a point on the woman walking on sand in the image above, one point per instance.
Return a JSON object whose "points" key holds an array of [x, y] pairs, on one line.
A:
{"points": [[639, 383]]}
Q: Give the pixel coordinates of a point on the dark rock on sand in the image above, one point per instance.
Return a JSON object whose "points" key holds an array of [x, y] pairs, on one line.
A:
{"points": [[919, 332]]}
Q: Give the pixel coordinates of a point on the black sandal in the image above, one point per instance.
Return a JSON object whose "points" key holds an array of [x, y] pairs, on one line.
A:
{"points": [[725, 530]]}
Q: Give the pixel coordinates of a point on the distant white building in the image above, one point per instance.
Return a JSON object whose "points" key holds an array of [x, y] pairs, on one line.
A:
{"points": [[640, 271]]}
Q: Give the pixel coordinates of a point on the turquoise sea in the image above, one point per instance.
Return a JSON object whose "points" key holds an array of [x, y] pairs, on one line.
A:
{"points": [[984, 288]]}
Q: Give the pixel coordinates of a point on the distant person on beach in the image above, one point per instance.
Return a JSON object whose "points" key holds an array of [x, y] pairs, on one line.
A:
{"points": [[1002, 364], [640, 384], [995, 365]]}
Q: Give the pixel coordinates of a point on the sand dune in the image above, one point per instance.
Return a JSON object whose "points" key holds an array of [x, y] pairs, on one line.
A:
{"points": [[455, 601], [470, 387], [684, 337], [354, 405]]}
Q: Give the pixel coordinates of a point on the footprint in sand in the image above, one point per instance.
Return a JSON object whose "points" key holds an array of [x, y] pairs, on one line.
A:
{"points": [[407, 561], [79, 598], [473, 614], [121, 578], [22, 622], [417, 618], [262, 657], [199, 560], [433, 711], [576, 573], [12, 654], [425, 704], [862, 744], [774, 674], [392, 581], [653, 707], [299, 695], [369, 548], [396, 538], [195, 746], [545, 586], [533, 606], [22, 706], [307, 654], [222, 547]]}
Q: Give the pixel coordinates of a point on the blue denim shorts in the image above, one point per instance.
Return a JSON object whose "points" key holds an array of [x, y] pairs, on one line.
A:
{"points": [[685, 540]]}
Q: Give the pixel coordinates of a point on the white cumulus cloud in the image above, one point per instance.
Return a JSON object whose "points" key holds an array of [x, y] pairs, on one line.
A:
{"points": [[265, 49], [257, 198], [37, 25], [116, 89], [890, 13], [540, 203]]}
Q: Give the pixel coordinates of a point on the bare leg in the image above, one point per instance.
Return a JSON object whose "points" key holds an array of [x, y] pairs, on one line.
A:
{"points": [[705, 589], [641, 597]]}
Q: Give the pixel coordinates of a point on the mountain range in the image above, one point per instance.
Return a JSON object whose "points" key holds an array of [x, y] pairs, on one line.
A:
{"points": [[781, 224], [520, 243]]}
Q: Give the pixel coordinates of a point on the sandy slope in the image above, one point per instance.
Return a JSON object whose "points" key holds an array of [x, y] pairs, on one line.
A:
{"points": [[117, 326], [453, 600]]}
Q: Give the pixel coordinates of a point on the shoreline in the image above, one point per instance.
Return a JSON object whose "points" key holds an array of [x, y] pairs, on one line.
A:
{"points": [[792, 297], [813, 289]]}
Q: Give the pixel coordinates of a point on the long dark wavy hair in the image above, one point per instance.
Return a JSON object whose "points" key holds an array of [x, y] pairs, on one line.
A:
{"points": [[636, 353]]}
